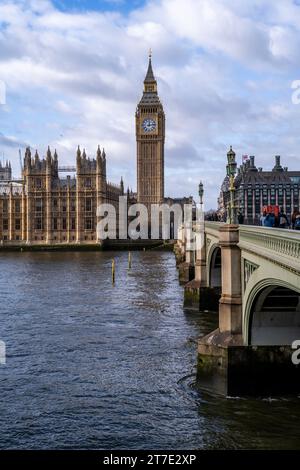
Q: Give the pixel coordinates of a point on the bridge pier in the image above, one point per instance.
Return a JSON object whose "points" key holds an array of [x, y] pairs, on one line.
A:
{"points": [[179, 247], [187, 267], [197, 294], [215, 351], [179, 254], [230, 306], [229, 368]]}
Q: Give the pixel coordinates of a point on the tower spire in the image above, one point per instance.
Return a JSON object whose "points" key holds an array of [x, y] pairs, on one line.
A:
{"points": [[150, 75]]}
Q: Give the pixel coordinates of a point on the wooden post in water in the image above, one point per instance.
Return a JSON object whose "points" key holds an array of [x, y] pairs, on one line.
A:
{"points": [[129, 260], [113, 270]]}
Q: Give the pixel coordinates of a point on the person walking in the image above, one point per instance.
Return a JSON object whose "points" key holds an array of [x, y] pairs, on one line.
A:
{"points": [[297, 222], [283, 220], [240, 218], [262, 218], [269, 220], [294, 215]]}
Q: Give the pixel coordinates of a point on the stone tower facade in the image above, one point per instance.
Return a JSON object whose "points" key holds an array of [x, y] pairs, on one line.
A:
{"points": [[5, 171], [150, 138]]}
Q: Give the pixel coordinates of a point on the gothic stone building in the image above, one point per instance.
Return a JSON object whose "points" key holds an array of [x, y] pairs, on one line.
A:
{"points": [[256, 188], [47, 209]]}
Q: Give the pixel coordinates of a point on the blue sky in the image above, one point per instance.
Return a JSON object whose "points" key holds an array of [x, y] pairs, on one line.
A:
{"points": [[124, 6], [74, 74]]}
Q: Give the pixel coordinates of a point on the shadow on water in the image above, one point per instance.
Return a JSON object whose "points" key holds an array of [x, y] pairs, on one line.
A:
{"points": [[203, 322]]}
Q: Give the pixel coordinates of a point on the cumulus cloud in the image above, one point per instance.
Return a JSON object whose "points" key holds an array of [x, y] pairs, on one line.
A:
{"points": [[224, 71]]}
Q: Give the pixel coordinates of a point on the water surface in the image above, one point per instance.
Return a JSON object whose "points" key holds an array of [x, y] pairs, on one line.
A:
{"points": [[96, 366]]}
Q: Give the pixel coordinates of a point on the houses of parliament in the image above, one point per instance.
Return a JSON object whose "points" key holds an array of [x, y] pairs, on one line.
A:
{"points": [[46, 208]]}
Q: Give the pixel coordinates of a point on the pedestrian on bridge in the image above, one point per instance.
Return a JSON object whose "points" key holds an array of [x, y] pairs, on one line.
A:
{"points": [[297, 222], [283, 220], [262, 218], [294, 215], [269, 220], [240, 218]]}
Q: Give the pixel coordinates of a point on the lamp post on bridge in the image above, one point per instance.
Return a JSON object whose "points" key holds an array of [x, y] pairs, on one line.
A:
{"points": [[201, 193], [231, 171]]}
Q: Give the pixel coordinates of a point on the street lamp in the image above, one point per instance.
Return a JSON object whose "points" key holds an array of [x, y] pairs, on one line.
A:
{"points": [[201, 215], [201, 192], [231, 170]]}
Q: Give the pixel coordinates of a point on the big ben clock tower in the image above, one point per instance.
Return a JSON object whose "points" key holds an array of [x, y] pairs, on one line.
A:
{"points": [[150, 138]]}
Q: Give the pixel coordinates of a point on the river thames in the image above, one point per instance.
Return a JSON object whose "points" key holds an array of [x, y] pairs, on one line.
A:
{"points": [[90, 365]]}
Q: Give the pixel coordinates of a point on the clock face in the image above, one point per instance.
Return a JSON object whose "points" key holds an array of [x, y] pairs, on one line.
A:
{"points": [[149, 125]]}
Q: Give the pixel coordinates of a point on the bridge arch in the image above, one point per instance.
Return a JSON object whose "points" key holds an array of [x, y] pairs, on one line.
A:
{"points": [[214, 267], [272, 313]]}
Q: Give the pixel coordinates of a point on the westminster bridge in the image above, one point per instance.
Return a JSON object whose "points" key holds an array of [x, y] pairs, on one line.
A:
{"points": [[251, 275]]}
